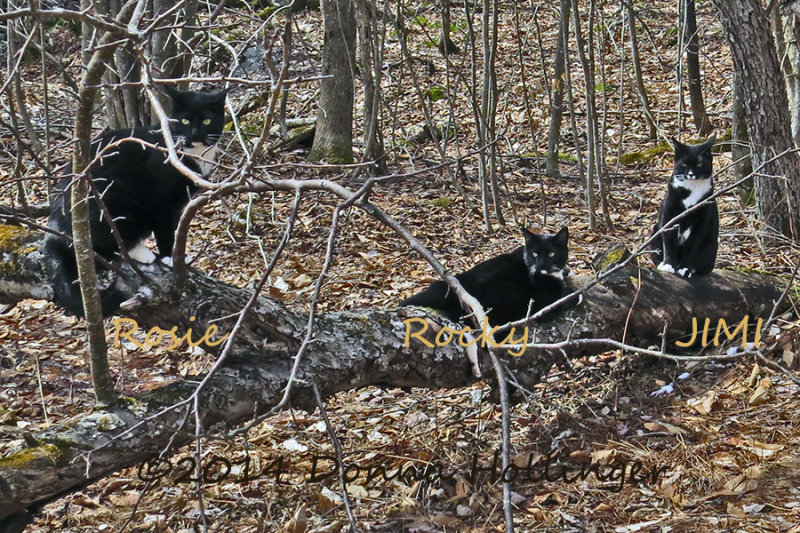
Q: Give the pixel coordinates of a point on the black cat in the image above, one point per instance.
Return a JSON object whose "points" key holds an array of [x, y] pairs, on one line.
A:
{"points": [[143, 193], [510, 286], [689, 247]]}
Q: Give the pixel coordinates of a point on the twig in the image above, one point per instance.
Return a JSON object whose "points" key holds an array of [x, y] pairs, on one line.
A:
{"points": [[339, 457]]}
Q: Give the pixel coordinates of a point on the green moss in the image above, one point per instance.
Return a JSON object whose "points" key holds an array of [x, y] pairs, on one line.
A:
{"points": [[247, 127], [332, 155], [723, 143], [11, 238], [230, 34], [749, 270], [612, 258], [55, 452], [13, 247], [645, 157], [107, 423], [266, 12], [441, 202]]}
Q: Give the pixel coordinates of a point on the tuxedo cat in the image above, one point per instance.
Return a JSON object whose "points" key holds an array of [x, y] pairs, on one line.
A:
{"points": [[510, 286], [689, 247], [142, 192]]}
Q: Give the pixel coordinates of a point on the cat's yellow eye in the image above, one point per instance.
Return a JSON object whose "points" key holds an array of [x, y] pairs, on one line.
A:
{"points": [[185, 121], [206, 122], [551, 254], [534, 254]]}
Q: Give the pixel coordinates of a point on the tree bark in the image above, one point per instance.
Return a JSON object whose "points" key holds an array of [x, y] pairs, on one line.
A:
{"points": [[637, 70], [701, 120], [446, 45], [371, 55], [333, 140], [559, 81], [740, 144], [350, 349], [79, 202], [755, 60]]}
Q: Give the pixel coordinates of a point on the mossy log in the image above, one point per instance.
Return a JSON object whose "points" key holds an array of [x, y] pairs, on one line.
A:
{"points": [[350, 349]]}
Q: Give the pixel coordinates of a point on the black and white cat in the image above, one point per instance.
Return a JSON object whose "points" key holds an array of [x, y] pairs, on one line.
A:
{"points": [[143, 193], [510, 286], [689, 247]]}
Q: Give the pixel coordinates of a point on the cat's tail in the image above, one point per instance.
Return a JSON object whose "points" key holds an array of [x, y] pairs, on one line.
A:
{"points": [[62, 271]]}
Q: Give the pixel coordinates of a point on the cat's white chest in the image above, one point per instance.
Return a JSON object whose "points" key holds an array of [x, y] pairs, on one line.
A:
{"points": [[697, 190], [206, 157]]}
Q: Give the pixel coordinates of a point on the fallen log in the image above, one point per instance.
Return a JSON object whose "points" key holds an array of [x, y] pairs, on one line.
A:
{"points": [[350, 349]]}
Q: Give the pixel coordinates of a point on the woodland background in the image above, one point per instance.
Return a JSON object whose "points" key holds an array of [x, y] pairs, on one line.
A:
{"points": [[728, 432]]}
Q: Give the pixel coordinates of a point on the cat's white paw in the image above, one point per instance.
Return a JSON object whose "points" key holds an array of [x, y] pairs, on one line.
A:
{"points": [[142, 254], [472, 355], [684, 272], [167, 260], [664, 267]]}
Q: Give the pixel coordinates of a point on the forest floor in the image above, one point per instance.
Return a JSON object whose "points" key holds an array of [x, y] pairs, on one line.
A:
{"points": [[726, 432]]}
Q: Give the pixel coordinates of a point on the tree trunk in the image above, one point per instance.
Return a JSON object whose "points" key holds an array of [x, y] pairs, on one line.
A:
{"points": [[446, 45], [371, 55], [701, 120], [81, 229], [333, 140], [350, 349], [755, 59], [559, 82], [591, 148], [637, 71]]}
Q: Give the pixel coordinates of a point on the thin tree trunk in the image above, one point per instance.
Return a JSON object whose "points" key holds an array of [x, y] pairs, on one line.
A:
{"points": [[559, 82], [446, 45], [573, 122], [786, 36], [591, 148], [604, 184], [480, 130], [128, 73], [371, 53], [81, 229], [637, 71], [333, 140], [163, 50], [489, 99], [701, 120]]}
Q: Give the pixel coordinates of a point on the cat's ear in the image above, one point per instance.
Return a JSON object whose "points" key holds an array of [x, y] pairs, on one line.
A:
{"points": [[678, 146], [171, 91], [174, 94], [219, 96], [530, 237], [709, 143], [562, 236]]}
